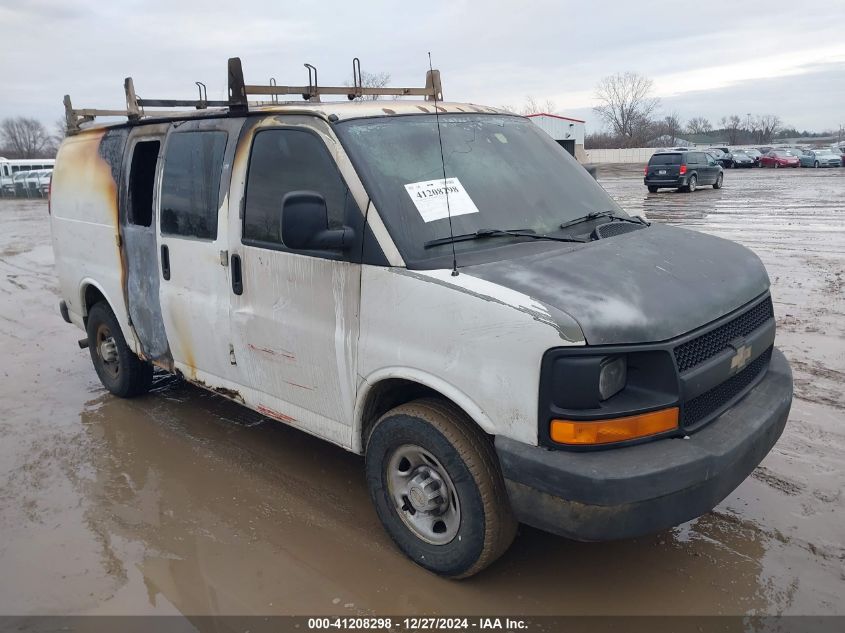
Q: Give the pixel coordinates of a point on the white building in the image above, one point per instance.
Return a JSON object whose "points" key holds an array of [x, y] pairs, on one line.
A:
{"points": [[568, 132]]}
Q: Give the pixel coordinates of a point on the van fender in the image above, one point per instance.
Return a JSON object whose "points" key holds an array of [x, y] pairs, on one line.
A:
{"points": [[118, 308], [445, 389]]}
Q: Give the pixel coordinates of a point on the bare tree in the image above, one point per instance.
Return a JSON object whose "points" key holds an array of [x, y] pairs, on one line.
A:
{"points": [[24, 137], [671, 126], [532, 106], [698, 125], [627, 105], [765, 127], [371, 80], [58, 135], [732, 126]]}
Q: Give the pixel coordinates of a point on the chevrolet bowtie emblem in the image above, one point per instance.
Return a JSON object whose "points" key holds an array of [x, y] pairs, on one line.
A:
{"points": [[741, 358]]}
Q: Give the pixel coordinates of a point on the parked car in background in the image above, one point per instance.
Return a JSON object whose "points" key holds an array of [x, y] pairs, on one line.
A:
{"points": [[765, 150], [755, 155], [779, 158], [741, 159], [10, 167], [19, 183], [840, 151], [725, 159], [44, 182], [820, 158], [683, 171], [33, 181]]}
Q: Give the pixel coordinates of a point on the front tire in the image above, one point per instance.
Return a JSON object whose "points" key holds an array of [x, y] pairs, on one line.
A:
{"points": [[718, 183], [435, 481], [119, 369], [816, 164]]}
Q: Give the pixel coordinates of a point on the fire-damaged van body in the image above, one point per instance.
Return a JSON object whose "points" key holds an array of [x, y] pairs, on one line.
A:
{"points": [[437, 286]]}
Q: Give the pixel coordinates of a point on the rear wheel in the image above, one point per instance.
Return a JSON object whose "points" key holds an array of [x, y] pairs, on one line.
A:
{"points": [[652, 189], [119, 369], [691, 185], [435, 481], [718, 183]]}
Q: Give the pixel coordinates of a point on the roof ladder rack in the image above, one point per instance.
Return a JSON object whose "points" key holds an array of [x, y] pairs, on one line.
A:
{"points": [[313, 91], [239, 92]]}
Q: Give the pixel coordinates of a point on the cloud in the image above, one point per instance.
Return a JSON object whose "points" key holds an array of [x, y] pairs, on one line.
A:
{"points": [[494, 52]]}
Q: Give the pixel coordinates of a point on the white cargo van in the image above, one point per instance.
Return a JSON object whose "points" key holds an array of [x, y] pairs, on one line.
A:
{"points": [[437, 286]]}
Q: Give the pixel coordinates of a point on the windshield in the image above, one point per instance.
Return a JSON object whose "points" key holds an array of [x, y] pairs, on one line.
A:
{"points": [[502, 173]]}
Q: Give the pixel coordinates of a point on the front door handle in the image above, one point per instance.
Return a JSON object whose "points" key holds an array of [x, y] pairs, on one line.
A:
{"points": [[165, 262], [237, 275]]}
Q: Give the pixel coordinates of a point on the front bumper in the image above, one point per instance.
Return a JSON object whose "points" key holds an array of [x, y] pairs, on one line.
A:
{"points": [[627, 492]]}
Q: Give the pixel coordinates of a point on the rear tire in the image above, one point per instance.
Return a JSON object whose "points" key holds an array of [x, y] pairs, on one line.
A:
{"points": [[435, 481], [119, 369], [816, 164], [652, 189], [718, 183], [691, 185]]}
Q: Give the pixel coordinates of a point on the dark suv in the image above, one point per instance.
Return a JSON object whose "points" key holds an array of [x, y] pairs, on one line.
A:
{"points": [[683, 171]]}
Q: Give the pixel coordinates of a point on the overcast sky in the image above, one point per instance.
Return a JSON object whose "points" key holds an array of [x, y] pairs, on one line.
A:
{"points": [[711, 59]]}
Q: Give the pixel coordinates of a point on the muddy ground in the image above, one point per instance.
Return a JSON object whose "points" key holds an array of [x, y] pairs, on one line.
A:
{"points": [[182, 502]]}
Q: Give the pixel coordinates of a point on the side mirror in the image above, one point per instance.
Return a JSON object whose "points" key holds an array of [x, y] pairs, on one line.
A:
{"points": [[305, 224]]}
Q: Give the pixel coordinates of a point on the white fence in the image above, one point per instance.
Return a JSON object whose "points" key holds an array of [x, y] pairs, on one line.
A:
{"points": [[628, 155]]}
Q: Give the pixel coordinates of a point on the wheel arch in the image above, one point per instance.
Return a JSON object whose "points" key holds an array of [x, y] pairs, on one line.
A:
{"points": [[390, 387], [91, 292]]}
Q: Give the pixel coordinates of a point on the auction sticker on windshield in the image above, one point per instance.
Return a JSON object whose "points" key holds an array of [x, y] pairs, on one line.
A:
{"points": [[430, 198]]}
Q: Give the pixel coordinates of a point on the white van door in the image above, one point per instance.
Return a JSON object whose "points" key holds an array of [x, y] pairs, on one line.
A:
{"points": [[193, 212], [294, 314]]}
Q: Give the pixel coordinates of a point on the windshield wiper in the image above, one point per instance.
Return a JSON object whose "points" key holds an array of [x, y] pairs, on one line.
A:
{"points": [[601, 214], [482, 233]]}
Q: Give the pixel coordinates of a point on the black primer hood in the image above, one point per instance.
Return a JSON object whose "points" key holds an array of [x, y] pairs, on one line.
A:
{"points": [[644, 286]]}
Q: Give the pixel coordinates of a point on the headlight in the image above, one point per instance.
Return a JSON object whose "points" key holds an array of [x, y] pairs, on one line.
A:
{"points": [[605, 395], [612, 376]]}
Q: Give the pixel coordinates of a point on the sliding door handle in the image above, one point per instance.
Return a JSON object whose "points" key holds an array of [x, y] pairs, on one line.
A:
{"points": [[237, 275], [165, 262]]}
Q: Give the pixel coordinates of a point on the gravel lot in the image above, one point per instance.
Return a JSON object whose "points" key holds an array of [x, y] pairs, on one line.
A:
{"points": [[182, 502]]}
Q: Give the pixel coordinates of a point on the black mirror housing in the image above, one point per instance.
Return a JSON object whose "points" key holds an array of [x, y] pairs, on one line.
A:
{"points": [[305, 224]]}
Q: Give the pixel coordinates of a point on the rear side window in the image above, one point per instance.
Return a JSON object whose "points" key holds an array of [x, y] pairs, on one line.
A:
{"points": [[190, 185], [665, 159], [283, 161], [142, 182]]}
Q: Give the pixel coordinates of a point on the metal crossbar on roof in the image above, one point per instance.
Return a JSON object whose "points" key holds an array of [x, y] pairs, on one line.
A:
{"points": [[239, 93]]}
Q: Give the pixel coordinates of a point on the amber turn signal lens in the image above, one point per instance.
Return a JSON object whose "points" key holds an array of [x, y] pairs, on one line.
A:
{"points": [[615, 429]]}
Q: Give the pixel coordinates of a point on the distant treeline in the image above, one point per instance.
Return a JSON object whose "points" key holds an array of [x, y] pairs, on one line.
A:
{"points": [[25, 137]]}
